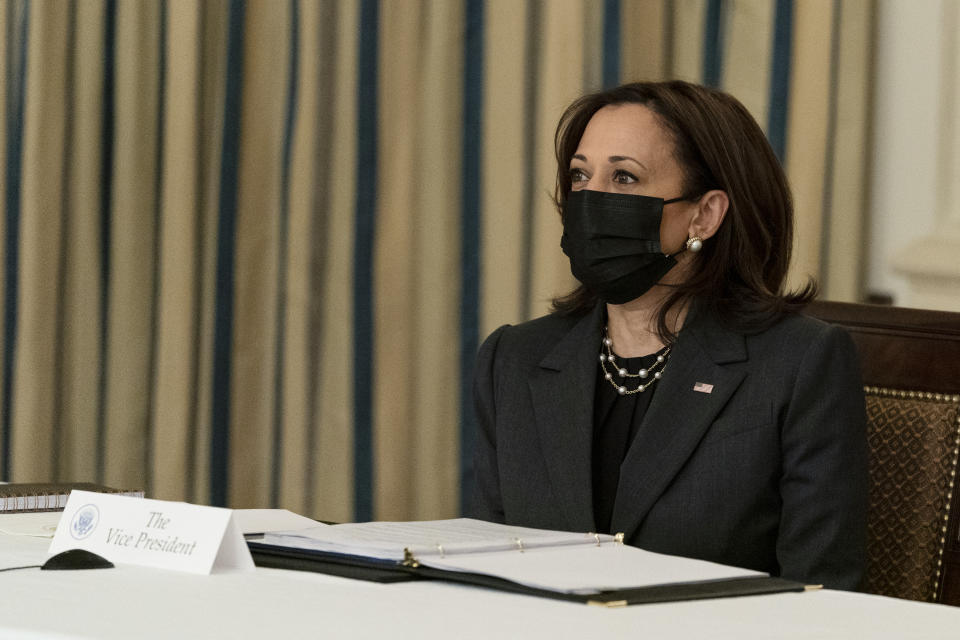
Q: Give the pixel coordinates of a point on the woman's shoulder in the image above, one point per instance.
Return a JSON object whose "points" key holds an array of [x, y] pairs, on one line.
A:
{"points": [[801, 327], [532, 338], [795, 336], [766, 326]]}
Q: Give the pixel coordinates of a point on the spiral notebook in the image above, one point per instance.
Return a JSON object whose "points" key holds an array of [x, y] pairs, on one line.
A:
{"points": [[20, 497], [580, 567]]}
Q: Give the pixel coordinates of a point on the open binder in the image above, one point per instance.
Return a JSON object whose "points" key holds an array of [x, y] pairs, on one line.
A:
{"points": [[587, 568]]}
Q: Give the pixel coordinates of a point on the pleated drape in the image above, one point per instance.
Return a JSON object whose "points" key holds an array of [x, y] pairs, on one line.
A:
{"points": [[250, 247]]}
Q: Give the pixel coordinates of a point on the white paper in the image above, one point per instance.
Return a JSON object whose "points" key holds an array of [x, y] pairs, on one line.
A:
{"points": [[588, 568], [233, 552], [253, 521], [152, 533], [389, 540], [556, 560]]}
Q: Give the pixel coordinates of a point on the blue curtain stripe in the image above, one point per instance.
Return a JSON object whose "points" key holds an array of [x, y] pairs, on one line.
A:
{"points": [[780, 77], [289, 126], [226, 246], [18, 17], [199, 291], [713, 44], [106, 205], [148, 451], [470, 235], [611, 43], [366, 204]]}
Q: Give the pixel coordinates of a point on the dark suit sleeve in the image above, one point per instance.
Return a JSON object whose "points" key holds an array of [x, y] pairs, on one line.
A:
{"points": [[487, 503], [824, 485]]}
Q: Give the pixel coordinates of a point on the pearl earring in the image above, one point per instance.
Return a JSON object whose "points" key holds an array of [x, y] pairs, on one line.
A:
{"points": [[694, 244]]}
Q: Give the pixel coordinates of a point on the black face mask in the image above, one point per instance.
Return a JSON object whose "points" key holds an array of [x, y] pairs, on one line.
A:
{"points": [[613, 242]]}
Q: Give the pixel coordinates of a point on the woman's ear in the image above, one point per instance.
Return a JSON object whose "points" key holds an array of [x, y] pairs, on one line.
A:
{"points": [[711, 210]]}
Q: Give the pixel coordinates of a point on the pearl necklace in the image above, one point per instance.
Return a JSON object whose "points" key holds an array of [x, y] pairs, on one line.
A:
{"points": [[651, 375]]}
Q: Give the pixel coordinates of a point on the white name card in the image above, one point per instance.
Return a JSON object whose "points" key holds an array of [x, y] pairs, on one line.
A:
{"points": [[152, 533]]}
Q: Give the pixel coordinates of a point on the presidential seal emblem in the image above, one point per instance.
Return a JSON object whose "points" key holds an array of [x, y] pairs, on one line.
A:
{"points": [[84, 521]]}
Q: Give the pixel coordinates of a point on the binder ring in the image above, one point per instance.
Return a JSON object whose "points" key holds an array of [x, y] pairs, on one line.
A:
{"points": [[519, 545]]}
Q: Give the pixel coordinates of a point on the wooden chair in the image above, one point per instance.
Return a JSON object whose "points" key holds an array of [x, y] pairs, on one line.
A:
{"points": [[910, 360]]}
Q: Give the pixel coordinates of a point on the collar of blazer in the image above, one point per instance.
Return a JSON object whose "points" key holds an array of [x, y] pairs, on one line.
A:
{"points": [[563, 391]]}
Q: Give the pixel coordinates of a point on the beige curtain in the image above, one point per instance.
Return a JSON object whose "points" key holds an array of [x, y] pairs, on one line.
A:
{"points": [[250, 246]]}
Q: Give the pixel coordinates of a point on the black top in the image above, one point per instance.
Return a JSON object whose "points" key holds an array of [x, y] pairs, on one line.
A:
{"points": [[616, 419]]}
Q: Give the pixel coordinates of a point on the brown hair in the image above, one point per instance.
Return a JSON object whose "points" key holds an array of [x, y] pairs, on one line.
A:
{"points": [[739, 274]]}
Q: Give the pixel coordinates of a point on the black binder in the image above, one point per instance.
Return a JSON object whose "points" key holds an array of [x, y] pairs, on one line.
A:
{"points": [[364, 568], [344, 566]]}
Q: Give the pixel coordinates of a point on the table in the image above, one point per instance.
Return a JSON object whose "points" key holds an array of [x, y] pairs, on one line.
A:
{"points": [[128, 602]]}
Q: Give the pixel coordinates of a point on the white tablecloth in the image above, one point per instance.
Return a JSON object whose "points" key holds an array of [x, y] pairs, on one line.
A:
{"points": [[132, 602]]}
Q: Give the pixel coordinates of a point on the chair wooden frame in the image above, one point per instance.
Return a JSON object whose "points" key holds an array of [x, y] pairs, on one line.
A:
{"points": [[912, 357]]}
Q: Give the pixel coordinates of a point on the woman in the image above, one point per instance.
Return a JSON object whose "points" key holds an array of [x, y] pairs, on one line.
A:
{"points": [[677, 396]]}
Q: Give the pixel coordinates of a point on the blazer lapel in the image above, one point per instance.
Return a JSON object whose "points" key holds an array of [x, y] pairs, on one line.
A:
{"points": [[677, 419], [562, 392]]}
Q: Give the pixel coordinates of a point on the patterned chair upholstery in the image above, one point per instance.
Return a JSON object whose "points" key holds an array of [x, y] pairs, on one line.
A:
{"points": [[911, 371]]}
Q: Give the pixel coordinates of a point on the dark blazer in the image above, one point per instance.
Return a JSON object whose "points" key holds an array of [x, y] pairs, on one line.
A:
{"points": [[766, 471]]}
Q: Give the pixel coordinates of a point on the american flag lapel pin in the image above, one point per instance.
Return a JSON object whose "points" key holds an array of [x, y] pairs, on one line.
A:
{"points": [[703, 387]]}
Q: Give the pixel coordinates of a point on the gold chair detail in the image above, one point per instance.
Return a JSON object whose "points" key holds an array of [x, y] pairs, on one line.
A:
{"points": [[910, 361]]}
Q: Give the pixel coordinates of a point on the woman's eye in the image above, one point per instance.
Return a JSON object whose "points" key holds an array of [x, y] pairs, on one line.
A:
{"points": [[577, 175], [624, 177]]}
